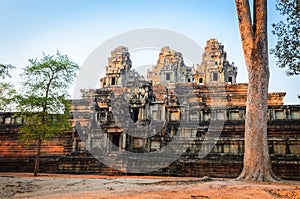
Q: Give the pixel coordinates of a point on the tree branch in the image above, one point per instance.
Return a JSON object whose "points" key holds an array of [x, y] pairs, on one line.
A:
{"points": [[246, 30], [261, 23]]}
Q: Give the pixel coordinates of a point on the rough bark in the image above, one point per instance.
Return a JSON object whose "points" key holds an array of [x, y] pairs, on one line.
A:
{"points": [[257, 163], [37, 159]]}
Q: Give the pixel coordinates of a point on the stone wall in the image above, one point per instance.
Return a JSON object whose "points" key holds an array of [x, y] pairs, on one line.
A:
{"points": [[225, 160], [18, 157]]}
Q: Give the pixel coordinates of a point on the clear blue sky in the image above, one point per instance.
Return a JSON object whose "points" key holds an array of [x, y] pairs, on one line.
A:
{"points": [[77, 27]]}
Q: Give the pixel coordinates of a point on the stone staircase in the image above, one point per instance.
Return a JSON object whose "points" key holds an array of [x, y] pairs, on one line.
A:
{"points": [[84, 163]]}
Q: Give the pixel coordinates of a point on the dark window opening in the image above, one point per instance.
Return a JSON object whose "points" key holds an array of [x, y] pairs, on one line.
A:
{"points": [[230, 79], [201, 80], [77, 145], [168, 76], [189, 80], [113, 81], [215, 76], [135, 115], [115, 139], [199, 134]]}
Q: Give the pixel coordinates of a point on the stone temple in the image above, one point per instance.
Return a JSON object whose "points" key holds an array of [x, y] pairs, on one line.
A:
{"points": [[179, 121]]}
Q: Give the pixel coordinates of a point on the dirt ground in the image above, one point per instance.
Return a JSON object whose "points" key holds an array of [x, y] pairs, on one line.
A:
{"points": [[47, 186]]}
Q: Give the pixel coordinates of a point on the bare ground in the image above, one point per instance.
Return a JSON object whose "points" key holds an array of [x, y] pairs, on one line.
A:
{"points": [[46, 186]]}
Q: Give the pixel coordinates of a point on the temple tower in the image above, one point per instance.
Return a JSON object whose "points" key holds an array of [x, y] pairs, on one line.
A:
{"points": [[215, 68], [170, 69], [118, 64]]}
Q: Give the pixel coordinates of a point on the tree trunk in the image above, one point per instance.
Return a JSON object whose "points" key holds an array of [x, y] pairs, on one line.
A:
{"points": [[257, 163], [37, 159]]}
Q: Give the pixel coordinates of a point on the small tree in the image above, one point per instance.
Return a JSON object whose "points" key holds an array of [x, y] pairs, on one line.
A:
{"points": [[7, 92], [43, 100], [287, 49]]}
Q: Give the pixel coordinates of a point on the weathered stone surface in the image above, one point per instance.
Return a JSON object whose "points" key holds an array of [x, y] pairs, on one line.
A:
{"points": [[129, 114], [170, 68], [215, 67]]}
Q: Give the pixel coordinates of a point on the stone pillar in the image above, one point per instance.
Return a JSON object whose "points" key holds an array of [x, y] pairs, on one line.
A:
{"points": [[141, 114], [123, 147], [201, 116], [88, 142], [74, 144], [288, 114]]}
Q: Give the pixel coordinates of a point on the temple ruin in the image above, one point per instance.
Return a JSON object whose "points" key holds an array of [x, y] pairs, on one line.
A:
{"points": [[164, 124]]}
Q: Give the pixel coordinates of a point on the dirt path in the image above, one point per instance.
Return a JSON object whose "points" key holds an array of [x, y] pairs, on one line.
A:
{"points": [[46, 186]]}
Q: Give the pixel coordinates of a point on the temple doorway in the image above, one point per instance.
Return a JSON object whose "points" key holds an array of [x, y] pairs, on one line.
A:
{"points": [[115, 139]]}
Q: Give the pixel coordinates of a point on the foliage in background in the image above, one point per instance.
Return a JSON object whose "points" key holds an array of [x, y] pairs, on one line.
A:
{"points": [[4, 70], [7, 91], [7, 94], [287, 49]]}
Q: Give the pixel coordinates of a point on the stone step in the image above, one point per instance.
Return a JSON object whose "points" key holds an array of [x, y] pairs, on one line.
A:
{"points": [[86, 165]]}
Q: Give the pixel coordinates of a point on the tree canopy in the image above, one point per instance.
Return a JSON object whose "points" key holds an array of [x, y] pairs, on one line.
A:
{"points": [[43, 101], [287, 49]]}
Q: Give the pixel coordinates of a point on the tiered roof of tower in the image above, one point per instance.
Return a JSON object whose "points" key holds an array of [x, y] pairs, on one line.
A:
{"points": [[120, 59], [171, 69], [215, 67], [118, 70]]}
